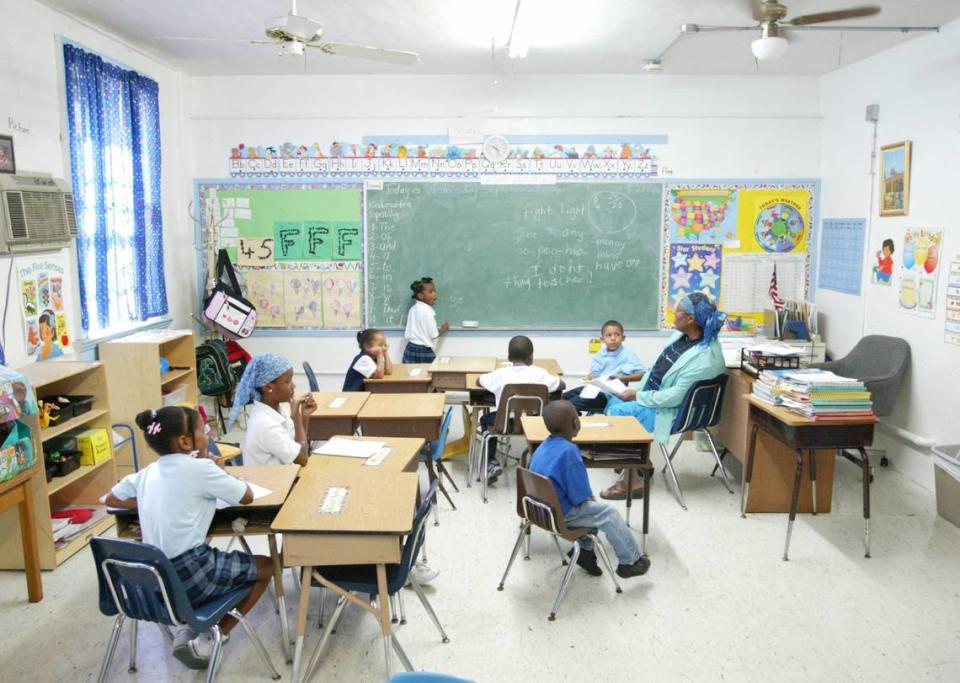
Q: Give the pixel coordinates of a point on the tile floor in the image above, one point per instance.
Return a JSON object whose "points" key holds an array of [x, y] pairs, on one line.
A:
{"points": [[718, 603]]}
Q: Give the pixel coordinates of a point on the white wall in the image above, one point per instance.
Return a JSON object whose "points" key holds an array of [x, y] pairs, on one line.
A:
{"points": [[722, 127], [916, 86], [31, 97]]}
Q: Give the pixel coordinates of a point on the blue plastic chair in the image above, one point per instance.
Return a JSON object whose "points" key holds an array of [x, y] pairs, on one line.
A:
{"points": [[700, 409], [362, 578], [138, 582], [311, 377], [425, 677], [436, 454]]}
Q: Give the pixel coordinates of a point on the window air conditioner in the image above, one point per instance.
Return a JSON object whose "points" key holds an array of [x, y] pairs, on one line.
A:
{"points": [[36, 213]]}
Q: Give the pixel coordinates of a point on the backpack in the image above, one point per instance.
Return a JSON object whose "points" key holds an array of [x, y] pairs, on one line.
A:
{"points": [[214, 375]]}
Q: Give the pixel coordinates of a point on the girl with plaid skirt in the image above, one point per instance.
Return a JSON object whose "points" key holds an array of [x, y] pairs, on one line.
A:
{"points": [[422, 332]]}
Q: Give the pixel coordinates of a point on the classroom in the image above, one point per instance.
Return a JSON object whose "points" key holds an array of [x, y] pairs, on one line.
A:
{"points": [[479, 341]]}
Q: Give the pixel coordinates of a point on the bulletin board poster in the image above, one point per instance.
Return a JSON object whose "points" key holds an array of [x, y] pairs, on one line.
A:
{"points": [[297, 246], [753, 228], [919, 271], [952, 334], [45, 304], [693, 268]]}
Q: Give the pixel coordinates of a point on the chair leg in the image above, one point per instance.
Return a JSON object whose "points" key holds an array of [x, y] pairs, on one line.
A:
{"points": [[446, 495], [516, 551], [567, 575], [602, 553], [403, 610], [668, 457], [400, 653], [167, 633], [296, 576], [394, 618], [446, 473], [436, 514], [215, 656], [111, 647], [323, 599], [324, 637], [133, 647], [716, 456], [426, 605], [257, 643], [563, 556], [484, 464]]}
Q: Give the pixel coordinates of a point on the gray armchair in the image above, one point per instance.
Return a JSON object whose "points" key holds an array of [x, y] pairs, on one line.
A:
{"points": [[879, 362]]}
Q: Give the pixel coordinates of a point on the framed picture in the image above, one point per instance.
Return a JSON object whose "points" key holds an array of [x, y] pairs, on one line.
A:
{"points": [[895, 179], [7, 162]]}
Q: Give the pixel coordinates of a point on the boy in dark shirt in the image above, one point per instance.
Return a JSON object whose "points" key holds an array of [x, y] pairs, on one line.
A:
{"points": [[559, 459]]}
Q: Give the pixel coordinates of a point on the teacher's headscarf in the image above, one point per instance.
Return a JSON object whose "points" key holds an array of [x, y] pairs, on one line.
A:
{"points": [[705, 313]]}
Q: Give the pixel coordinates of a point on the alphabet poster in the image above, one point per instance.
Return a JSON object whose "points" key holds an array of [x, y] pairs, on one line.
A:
{"points": [[44, 289], [919, 271]]}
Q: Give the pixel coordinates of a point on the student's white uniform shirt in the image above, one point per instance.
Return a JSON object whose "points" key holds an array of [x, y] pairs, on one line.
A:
{"points": [[176, 498], [365, 365], [517, 374], [269, 437], [422, 325]]}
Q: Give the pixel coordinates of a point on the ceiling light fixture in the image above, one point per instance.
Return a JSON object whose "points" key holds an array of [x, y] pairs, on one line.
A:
{"points": [[653, 66], [771, 45]]}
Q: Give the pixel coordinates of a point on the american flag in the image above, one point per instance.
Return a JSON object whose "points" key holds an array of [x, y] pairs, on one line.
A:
{"points": [[774, 294]]}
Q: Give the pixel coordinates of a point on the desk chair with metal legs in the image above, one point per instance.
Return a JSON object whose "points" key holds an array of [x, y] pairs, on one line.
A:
{"points": [[138, 582], [700, 410]]}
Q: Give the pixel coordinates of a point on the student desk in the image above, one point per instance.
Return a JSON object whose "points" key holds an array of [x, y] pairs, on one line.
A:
{"points": [[620, 433], [450, 372], [416, 415], [17, 493], [328, 421], [799, 434], [259, 514], [410, 378], [549, 364], [772, 482], [377, 512]]}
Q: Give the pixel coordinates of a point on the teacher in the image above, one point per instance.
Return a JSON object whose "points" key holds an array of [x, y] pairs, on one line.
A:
{"points": [[693, 354]]}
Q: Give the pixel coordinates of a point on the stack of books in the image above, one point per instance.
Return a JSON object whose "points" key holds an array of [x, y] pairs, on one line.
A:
{"points": [[766, 386], [822, 395]]}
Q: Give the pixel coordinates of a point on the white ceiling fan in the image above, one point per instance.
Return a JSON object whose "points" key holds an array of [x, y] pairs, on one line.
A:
{"points": [[293, 33], [774, 27]]}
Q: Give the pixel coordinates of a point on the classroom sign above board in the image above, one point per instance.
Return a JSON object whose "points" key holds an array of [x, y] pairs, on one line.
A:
{"points": [[563, 256]]}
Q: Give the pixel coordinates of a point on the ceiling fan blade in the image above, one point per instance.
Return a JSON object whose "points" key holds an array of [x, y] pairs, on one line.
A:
{"points": [[852, 13], [215, 40], [374, 53], [700, 28]]}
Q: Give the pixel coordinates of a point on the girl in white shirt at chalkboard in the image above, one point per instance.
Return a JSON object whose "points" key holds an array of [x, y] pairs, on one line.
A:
{"points": [[422, 332]]}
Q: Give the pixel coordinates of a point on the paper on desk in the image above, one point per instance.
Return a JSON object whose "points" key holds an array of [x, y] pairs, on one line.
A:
{"points": [[378, 457], [349, 448], [594, 425], [416, 372], [337, 402], [258, 492]]}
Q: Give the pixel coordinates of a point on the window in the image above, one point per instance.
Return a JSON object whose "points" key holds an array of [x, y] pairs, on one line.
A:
{"points": [[113, 118]]}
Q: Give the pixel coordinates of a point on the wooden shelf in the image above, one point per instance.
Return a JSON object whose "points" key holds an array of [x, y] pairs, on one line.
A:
{"points": [[72, 423], [58, 483], [79, 542], [174, 375]]}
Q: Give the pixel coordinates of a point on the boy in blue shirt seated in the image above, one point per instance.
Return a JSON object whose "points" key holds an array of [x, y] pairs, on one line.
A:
{"points": [[612, 360], [559, 459]]}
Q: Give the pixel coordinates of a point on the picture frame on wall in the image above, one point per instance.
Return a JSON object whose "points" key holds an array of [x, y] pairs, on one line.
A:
{"points": [[895, 179], [8, 162]]}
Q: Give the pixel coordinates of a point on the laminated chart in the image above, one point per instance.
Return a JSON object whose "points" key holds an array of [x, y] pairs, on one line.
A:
{"points": [[841, 254]]}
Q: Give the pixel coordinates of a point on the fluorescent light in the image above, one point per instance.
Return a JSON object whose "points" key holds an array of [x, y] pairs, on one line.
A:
{"points": [[771, 47]]}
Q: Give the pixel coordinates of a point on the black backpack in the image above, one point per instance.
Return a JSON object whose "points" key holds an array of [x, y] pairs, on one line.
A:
{"points": [[214, 375]]}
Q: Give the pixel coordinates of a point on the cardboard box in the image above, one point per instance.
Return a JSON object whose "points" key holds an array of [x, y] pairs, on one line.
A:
{"points": [[948, 495], [94, 445]]}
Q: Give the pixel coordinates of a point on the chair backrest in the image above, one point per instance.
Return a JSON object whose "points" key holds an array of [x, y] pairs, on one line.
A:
{"points": [[517, 400], [537, 501], [878, 358], [426, 677], [311, 377], [701, 406], [414, 540], [140, 581], [441, 441]]}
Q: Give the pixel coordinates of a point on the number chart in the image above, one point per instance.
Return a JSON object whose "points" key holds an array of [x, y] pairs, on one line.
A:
{"points": [[297, 246]]}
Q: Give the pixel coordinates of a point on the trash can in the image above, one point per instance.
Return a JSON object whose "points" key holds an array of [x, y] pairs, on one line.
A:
{"points": [[947, 482]]}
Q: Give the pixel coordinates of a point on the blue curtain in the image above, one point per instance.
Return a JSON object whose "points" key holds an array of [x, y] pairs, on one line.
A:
{"points": [[113, 116]]}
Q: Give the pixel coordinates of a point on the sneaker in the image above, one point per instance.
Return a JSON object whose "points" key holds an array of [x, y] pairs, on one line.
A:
{"points": [[587, 561], [494, 470], [638, 568], [423, 573], [195, 650]]}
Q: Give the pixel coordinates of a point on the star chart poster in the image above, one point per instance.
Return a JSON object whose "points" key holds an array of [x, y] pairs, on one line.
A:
{"points": [[693, 268]]}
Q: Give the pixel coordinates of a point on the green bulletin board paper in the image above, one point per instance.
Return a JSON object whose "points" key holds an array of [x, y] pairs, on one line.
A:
{"points": [[269, 206], [317, 241], [348, 241], [564, 256], [288, 241]]}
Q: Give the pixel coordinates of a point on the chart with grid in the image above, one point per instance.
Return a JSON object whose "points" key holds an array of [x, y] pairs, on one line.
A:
{"points": [[841, 254]]}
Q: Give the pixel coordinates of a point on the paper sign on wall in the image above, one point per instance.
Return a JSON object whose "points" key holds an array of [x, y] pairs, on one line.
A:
{"points": [[953, 302], [43, 302], [919, 271]]}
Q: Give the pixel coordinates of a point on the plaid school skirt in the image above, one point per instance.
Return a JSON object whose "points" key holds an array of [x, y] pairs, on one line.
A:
{"points": [[207, 572], [414, 353]]}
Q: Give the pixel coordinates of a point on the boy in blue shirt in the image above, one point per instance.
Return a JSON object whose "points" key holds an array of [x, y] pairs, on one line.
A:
{"points": [[612, 360], [559, 459]]}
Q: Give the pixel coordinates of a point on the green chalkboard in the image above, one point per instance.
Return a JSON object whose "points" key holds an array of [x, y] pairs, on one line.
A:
{"points": [[564, 256]]}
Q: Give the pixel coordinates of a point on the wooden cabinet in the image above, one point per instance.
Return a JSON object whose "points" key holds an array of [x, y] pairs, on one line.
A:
{"points": [[774, 464], [83, 486], [135, 383]]}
